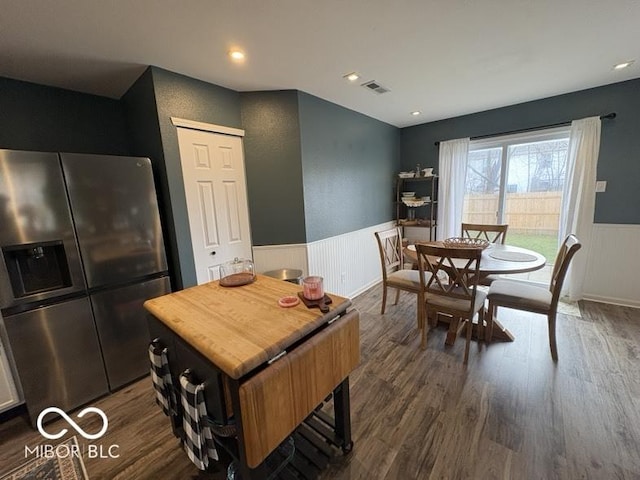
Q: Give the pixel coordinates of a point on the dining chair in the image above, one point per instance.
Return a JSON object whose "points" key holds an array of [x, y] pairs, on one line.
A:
{"points": [[490, 233], [533, 298], [394, 275], [449, 285]]}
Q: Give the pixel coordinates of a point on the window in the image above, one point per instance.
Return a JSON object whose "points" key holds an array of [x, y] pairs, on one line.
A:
{"points": [[519, 180]]}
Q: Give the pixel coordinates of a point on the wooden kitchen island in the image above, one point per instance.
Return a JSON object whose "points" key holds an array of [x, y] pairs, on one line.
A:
{"points": [[268, 371]]}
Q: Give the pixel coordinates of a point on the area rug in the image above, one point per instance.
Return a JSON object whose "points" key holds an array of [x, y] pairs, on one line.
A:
{"points": [[64, 466]]}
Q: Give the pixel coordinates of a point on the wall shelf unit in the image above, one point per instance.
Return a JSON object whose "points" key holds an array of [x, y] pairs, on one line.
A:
{"points": [[425, 213]]}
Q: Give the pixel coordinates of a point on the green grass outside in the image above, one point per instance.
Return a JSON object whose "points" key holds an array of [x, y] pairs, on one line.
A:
{"points": [[546, 245]]}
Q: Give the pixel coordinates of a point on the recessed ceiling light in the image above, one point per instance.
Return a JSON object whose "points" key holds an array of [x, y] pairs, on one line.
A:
{"points": [[352, 77], [622, 65], [236, 55], [415, 113]]}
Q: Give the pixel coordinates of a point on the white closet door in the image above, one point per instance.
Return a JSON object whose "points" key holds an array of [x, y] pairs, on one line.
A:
{"points": [[216, 194]]}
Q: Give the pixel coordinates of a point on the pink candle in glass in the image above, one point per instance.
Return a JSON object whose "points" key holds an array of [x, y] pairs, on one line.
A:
{"points": [[312, 288]]}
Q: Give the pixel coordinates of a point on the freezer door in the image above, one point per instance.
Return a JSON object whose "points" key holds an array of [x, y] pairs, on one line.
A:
{"points": [[57, 355], [115, 210], [123, 330], [35, 220]]}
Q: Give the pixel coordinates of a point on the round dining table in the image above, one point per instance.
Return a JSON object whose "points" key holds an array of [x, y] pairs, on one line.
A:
{"points": [[497, 259]]}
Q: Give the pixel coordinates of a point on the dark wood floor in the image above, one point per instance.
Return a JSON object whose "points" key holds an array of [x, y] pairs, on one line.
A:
{"points": [[510, 414]]}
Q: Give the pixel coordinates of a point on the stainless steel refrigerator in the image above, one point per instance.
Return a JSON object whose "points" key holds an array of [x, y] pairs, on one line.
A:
{"points": [[81, 250]]}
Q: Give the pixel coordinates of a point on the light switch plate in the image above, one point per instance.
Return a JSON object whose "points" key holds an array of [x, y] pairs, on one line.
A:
{"points": [[601, 186]]}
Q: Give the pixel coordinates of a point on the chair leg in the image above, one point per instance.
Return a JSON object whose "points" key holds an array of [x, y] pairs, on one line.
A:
{"points": [[425, 327], [397, 296], [552, 337], [481, 326], [468, 342], [488, 334], [384, 298]]}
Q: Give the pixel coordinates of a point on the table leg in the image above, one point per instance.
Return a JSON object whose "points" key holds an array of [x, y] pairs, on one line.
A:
{"points": [[500, 332], [342, 414], [452, 332]]}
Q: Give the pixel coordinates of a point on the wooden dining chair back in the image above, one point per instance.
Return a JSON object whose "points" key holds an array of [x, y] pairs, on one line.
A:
{"points": [[490, 233], [532, 298], [394, 275], [449, 285]]}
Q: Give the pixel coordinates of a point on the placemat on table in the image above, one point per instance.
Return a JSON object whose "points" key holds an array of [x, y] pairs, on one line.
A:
{"points": [[512, 256]]}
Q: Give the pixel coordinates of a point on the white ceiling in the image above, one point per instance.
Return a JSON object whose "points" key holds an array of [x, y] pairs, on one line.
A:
{"points": [[442, 57]]}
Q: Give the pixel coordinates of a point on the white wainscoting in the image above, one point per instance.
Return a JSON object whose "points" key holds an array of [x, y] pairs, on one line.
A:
{"points": [[614, 265], [275, 257], [349, 263]]}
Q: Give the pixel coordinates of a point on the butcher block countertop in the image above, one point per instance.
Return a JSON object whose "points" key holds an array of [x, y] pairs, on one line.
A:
{"points": [[240, 328]]}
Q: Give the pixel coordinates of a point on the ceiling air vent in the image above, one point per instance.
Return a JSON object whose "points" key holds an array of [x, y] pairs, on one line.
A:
{"points": [[375, 87]]}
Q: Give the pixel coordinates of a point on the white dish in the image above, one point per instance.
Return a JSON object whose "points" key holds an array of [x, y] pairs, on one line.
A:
{"points": [[408, 194], [407, 174]]}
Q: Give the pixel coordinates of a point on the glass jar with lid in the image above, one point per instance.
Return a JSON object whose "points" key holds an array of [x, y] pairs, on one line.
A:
{"points": [[236, 273]]}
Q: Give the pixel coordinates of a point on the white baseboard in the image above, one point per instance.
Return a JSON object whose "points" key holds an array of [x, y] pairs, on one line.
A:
{"points": [[623, 302]]}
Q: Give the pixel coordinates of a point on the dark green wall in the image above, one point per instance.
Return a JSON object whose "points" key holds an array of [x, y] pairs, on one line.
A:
{"points": [[40, 118], [618, 162], [273, 162], [348, 163]]}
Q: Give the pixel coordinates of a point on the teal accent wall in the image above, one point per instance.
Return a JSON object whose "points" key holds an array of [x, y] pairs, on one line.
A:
{"points": [[315, 169], [144, 132], [184, 97], [150, 103], [349, 163], [619, 159], [273, 160], [40, 118]]}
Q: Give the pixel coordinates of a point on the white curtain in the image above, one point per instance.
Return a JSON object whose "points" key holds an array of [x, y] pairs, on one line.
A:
{"points": [[579, 197], [452, 169]]}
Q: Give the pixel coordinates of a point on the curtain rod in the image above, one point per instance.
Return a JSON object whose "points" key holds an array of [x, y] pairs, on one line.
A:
{"points": [[608, 116]]}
